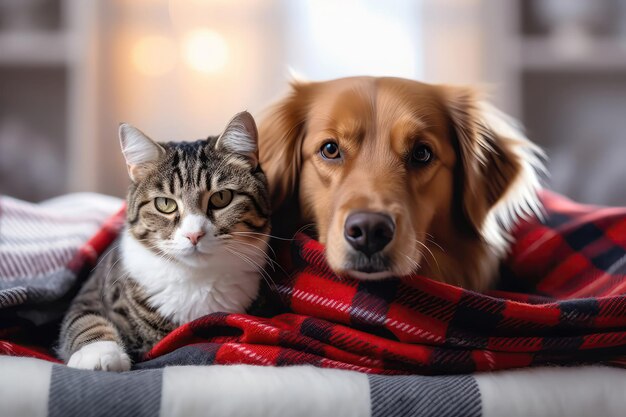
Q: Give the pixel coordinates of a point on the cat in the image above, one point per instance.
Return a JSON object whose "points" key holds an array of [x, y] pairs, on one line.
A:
{"points": [[194, 243]]}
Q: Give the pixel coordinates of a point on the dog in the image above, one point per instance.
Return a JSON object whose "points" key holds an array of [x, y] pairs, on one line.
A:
{"points": [[400, 177]]}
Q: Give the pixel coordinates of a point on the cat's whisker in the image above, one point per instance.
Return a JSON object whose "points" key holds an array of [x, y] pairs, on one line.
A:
{"points": [[263, 234], [103, 257], [266, 277], [261, 269], [303, 228], [272, 262], [109, 272], [265, 242], [242, 251], [123, 276], [148, 243], [161, 254], [259, 251]]}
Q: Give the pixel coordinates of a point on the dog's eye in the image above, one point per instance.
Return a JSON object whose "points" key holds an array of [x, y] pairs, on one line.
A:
{"points": [[330, 150], [421, 154]]}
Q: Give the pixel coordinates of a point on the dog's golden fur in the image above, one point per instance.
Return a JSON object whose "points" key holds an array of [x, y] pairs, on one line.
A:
{"points": [[452, 216]]}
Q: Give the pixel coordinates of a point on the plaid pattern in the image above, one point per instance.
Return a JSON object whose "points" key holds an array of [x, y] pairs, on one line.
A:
{"points": [[572, 309], [561, 301], [46, 249]]}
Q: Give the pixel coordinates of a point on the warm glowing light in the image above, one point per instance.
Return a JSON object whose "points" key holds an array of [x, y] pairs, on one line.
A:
{"points": [[205, 50], [333, 38], [154, 55], [186, 14]]}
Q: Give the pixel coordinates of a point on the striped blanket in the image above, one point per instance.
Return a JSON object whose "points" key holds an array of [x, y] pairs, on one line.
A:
{"points": [[243, 391], [561, 301]]}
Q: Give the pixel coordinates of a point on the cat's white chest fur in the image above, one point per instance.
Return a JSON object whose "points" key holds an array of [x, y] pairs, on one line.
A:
{"points": [[183, 293]]}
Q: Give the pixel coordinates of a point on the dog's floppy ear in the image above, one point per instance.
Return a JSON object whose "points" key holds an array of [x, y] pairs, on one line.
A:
{"points": [[501, 168], [280, 140]]}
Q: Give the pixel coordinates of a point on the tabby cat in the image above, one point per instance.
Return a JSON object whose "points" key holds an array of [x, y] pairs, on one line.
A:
{"points": [[194, 243]]}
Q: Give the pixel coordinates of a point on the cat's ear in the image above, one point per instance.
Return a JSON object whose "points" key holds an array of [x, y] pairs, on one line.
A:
{"points": [[140, 152], [241, 137]]}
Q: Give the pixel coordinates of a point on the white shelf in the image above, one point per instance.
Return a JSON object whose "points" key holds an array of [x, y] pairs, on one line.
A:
{"points": [[599, 55], [33, 49]]}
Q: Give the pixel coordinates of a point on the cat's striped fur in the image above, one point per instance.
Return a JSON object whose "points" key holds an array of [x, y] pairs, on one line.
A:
{"points": [[172, 265], [114, 308]]}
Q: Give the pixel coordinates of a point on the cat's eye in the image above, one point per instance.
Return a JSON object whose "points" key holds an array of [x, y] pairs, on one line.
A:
{"points": [[221, 199], [165, 205], [330, 150]]}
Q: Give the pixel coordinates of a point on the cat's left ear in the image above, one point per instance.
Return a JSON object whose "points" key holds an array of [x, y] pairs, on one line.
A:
{"points": [[140, 152], [241, 137]]}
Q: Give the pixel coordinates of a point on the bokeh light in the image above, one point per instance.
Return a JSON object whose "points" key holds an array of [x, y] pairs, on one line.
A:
{"points": [[154, 55], [204, 50]]}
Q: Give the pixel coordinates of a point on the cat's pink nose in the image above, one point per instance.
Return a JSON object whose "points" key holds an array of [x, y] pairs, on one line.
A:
{"points": [[194, 237]]}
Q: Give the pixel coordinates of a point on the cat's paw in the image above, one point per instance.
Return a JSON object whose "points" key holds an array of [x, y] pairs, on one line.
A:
{"points": [[105, 355]]}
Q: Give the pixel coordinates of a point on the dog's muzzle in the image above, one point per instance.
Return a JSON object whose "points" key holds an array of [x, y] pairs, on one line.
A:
{"points": [[368, 232]]}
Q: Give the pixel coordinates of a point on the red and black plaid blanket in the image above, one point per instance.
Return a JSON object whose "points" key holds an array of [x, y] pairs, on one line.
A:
{"points": [[561, 300]]}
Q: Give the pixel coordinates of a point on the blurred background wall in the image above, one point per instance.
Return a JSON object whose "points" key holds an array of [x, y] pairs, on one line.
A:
{"points": [[71, 70]]}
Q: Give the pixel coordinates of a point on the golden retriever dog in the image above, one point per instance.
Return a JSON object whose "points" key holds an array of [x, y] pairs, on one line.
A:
{"points": [[400, 177]]}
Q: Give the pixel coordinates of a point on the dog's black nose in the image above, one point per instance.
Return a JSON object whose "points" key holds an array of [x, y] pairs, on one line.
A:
{"points": [[369, 232]]}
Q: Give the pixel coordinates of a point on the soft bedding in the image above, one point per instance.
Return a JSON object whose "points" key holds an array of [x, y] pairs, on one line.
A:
{"points": [[33, 387], [561, 301]]}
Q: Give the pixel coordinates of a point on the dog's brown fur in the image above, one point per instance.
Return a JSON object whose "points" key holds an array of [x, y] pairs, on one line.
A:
{"points": [[451, 216]]}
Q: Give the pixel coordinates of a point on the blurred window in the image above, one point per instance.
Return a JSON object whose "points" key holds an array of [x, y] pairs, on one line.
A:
{"points": [[329, 38]]}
